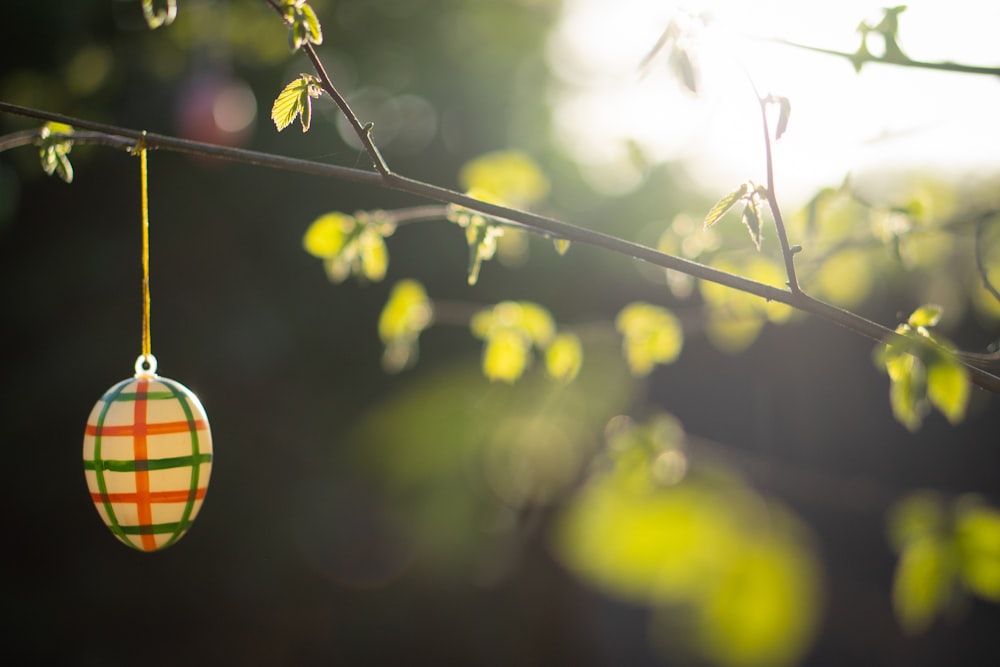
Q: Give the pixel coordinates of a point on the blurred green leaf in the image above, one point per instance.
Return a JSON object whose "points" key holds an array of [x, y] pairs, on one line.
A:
{"points": [[707, 547], [511, 329], [907, 390], [918, 516], [948, 387], [784, 111], [978, 538], [924, 371], [564, 357], [482, 240], [350, 245], [155, 19], [505, 356], [925, 316], [406, 314], [326, 236], [652, 335], [683, 67], [509, 178], [922, 582], [373, 254]]}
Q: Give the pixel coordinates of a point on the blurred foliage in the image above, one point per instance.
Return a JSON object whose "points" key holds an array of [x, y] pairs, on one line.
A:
{"points": [[507, 178], [303, 24], [350, 245], [465, 459], [405, 315], [733, 574], [652, 336], [947, 550], [924, 371]]}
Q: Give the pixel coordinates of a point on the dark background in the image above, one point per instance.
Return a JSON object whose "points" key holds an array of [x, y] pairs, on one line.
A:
{"points": [[295, 558]]}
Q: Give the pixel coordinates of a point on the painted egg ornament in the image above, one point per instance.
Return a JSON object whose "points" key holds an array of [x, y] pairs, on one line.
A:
{"points": [[147, 457]]}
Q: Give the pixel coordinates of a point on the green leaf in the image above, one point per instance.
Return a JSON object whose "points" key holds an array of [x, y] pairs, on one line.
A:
{"points": [[407, 312], [155, 19], [373, 254], [683, 67], [295, 100], [652, 335], [303, 25], [54, 151], [751, 218], [907, 390], [948, 387], [505, 356], [536, 322], [784, 111], [923, 579], [724, 204], [405, 315], [978, 539], [918, 516], [564, 357], [313, 29], [327, 234], [482, 238], [925, 316], [507, 177]]}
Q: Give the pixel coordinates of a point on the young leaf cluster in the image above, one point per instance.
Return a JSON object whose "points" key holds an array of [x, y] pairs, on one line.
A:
{"points": [[947, 551], [295, 101], [154, 18], [752, 197], [512, 330], [651, 335], [649, 530], [350, 245], [481, 235], [507, 178], [54, 148], [405, 315], [303, 24], [923, 371]]}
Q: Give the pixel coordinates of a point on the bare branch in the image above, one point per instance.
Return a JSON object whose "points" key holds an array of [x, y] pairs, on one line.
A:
{"points": [[862, 57], [546, 226]]}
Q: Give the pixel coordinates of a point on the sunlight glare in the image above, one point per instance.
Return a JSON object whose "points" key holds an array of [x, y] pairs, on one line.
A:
{"points": [[607, 108]]}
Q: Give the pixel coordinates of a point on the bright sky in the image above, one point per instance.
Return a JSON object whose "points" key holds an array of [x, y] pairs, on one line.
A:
{"points": [[840, 122]]}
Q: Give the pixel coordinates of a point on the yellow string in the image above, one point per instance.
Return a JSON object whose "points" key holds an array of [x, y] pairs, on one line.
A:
{"points": [[146, 343]]}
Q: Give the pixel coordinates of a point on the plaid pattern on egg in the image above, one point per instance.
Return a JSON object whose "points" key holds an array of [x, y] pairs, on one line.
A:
{"points": [[147, 457]]}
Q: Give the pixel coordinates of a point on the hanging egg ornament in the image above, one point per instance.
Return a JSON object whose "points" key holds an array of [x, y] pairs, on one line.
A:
{"points": [[147, 456]]}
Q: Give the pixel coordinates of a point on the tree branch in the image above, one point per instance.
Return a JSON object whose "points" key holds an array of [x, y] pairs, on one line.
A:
{"points": [[858, 59], [787, 252], [546, 226], [364, 132]]}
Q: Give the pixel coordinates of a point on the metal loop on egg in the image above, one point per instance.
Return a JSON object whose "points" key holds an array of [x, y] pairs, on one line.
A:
{"points": [[145, 366]]}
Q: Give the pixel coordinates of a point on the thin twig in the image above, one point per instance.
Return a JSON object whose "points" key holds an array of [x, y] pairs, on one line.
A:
{"points": [[18, 139], [859, 59], [543, 225], [772, 199], [364, 132]]}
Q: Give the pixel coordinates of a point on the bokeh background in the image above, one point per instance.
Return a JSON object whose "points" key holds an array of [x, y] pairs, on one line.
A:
{"points": [[361, 518]]}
